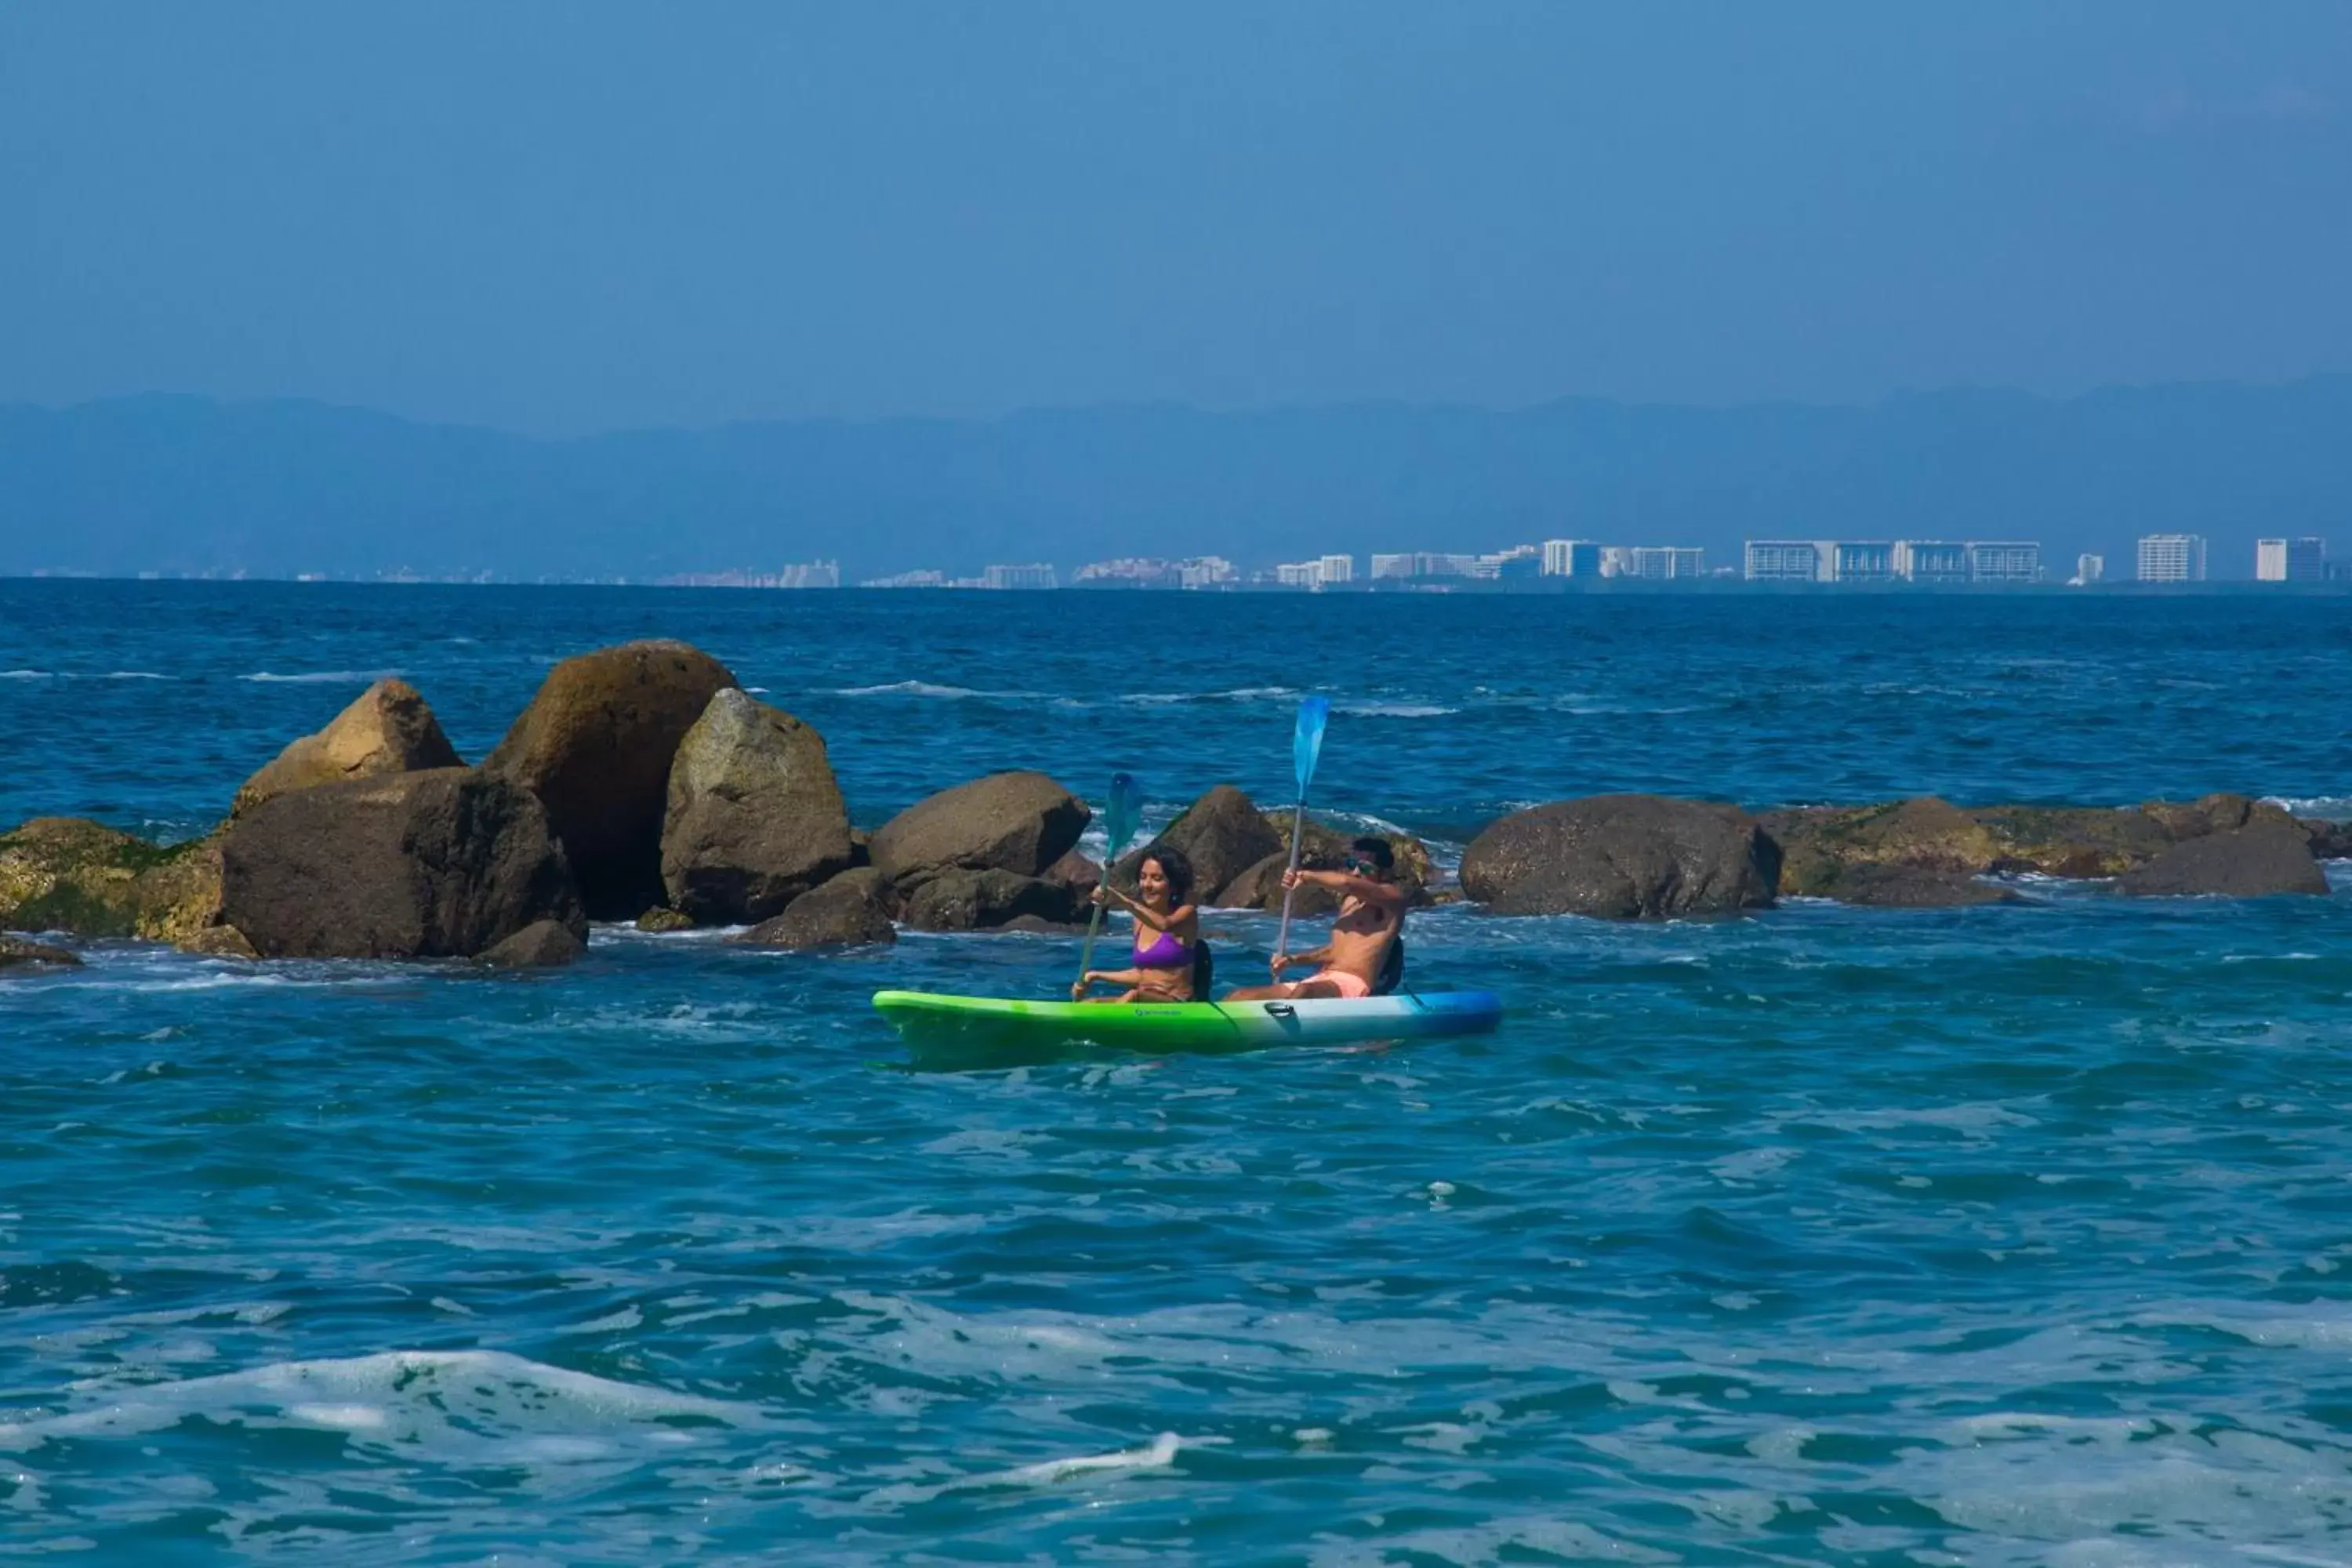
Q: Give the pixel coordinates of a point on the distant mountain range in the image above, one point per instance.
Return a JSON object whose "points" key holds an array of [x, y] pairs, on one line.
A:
{"points": [[177, 484]]}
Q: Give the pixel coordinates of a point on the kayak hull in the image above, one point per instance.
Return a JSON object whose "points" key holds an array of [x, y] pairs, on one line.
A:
{"points": [[926, 1019]]}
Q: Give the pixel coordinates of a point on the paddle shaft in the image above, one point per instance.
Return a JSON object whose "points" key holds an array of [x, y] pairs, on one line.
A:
{"points": [[1094, 926], [1298, 840]]}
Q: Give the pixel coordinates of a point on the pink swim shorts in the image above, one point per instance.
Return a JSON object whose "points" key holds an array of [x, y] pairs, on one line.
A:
{"points": [[1348, 985]]}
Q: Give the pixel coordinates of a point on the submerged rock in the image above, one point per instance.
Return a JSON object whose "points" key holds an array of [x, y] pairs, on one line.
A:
{"points": [[1623, 856], [387, 730], [1916, 888], [2249, 863], [542, 944], [70, 874], [219, 942], [755, 818], [16, 953], [1015, 822], [595, 746], [445, 863], [852, 910]]}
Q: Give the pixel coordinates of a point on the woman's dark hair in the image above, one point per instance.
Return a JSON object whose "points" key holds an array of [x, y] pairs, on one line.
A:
{"points": [[1173, 866], [1377, 851]]}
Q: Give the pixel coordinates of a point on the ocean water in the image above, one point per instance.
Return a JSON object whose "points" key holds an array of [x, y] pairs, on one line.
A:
{"points": [[1988, 1236]]}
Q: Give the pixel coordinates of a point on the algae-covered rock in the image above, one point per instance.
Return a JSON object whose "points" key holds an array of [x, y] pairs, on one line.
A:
{"points": [[595, 746], [1819, 845], [659, 920], [388, 730], [70, 874]]}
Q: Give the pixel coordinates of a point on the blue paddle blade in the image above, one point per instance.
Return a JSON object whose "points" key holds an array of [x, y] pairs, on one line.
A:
{"points": [[1119, 815], [1307, 745]]}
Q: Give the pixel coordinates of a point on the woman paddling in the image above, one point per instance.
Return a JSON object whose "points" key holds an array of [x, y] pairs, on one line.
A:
{"points": [[1163, 963]]}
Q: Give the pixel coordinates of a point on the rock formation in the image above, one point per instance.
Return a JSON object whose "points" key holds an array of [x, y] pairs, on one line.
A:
{"points": [[444, 863], [16, 954], [755, 818], [68, 874], [850, 909], [983, 900], [1016, 822], [1623, 856], [1223, 834], [388, 730], [595, 747], [542, 944], [2251, 862]]}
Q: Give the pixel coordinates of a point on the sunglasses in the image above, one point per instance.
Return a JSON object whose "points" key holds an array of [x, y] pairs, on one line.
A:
{"points": [[1359, 865]]}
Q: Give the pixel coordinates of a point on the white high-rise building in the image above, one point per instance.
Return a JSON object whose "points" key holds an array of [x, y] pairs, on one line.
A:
{"points": [[1570, 558], [811, 574], [1338, 568], [2004, 560], [2172, 558], [1862, 561], [1394, 565], [2088, 569], [1784, 560], [1659, 563], [2290, 560], [1931, 560], [1299, 574], [1029, 574]]}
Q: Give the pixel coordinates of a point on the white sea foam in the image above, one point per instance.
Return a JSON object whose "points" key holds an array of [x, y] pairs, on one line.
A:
{"points": [[476, 1398], [320, 677], [1395, 709], [932, 689]]}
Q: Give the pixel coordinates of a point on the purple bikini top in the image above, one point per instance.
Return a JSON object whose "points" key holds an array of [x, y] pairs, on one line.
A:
{"points": [[1165, 952]]}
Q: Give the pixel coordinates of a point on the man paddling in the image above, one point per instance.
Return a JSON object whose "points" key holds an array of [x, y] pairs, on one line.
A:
{"points": [[1371, 918]]}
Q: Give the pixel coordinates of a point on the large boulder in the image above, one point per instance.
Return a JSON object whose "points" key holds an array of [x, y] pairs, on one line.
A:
{"points": [[2249, 863], [445, 863], [755, 818], [1223, 835], [983, 900], [1260, 888], [595, 747], [852, 910], [1623, 856], [1016, 822], [388, 730], [66, 873]]}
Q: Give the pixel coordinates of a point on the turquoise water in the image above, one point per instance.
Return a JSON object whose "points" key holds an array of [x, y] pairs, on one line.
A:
{"points": [[1984, 1236]]}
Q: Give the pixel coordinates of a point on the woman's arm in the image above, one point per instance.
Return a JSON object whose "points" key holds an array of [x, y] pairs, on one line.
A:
{"points": [[1144, 916]]}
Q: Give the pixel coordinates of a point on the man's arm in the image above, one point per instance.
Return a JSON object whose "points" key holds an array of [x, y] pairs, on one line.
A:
{"points": [[1348, 885]]}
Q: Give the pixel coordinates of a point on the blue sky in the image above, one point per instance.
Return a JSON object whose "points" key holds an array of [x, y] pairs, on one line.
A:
{"points": [[581, 216]]}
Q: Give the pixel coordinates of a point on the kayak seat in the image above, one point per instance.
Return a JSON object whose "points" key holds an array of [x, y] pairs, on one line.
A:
{"points": [[1392, 974], [1204, 970]]}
